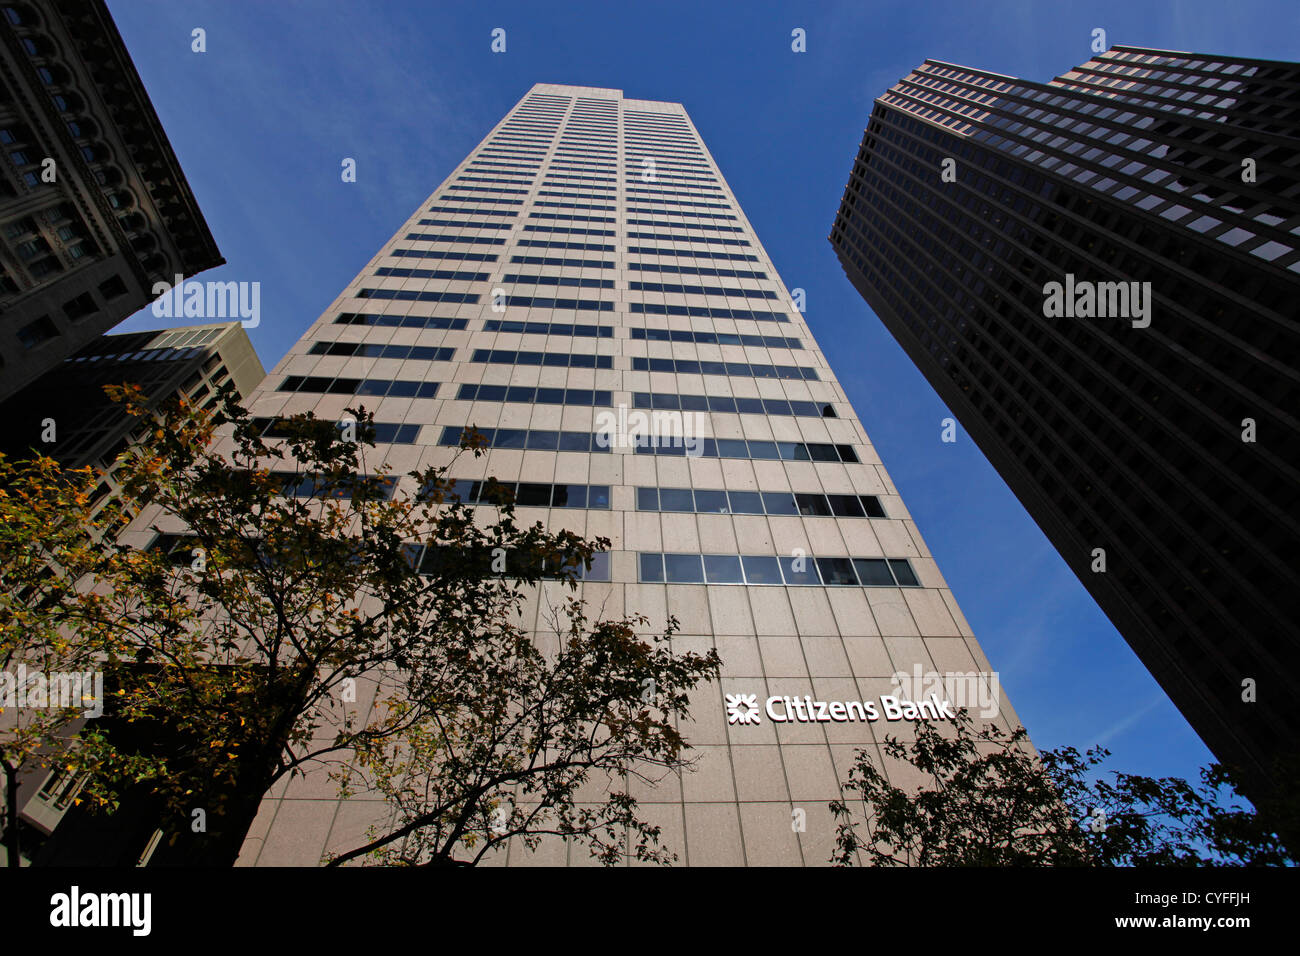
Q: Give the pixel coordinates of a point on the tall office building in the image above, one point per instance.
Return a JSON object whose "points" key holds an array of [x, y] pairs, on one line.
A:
{"points": [[587, 259], [1099, 276], [94, 207]]}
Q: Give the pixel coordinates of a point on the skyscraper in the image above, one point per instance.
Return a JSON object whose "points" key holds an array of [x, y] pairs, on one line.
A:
{"points": [[94, 207], [67, 415], [1099, 276], [585, 263]]}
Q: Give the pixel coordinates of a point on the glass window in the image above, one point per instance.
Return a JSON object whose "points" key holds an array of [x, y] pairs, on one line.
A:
{"points": [[763, 449], [711, 502], [802, 570], [510, 438], [904, 573], [745, 502], [761, 569], [652, 567], [683, 569], [598, 496], [792, 451], [732, 448], [534, 495], [676, 499], [722, 569], [780, 503], [569, 496], [846, 506], [545, 440], [873, 506], [813, 505], [647, 499], [837, 572], [873, 572], [599, 570]]}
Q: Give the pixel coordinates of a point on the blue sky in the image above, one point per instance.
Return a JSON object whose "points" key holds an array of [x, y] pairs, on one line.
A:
{"points": [[286, 90]]}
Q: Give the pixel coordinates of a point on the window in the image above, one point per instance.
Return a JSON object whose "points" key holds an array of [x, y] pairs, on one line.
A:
{"points": [[37, 333], [683, 569], [873, 572], [80, 307]]}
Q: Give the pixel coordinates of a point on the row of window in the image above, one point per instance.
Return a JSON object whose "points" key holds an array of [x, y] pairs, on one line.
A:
{"points": [[693, 367], [535, 396], [385, 433], [600, 442], [324, 384], [702, 290], [411, 295], [573, 281], [431, 560], [728, 403], [424, 353], [806, 571], [717, 338], [433, 274], [706, 312], [549, 328], [402, 321], [743, 448], [549, 359], [439, 254], [719, 501], [527, 494]]}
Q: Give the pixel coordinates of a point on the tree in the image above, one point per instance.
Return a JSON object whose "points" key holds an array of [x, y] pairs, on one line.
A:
{"points": [[988, 800], [291, 575], [506, 737]]}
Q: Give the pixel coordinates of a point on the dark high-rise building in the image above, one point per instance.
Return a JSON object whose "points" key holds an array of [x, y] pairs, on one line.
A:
{"points": [[94, 207], [1100, 276], [67, 415]]}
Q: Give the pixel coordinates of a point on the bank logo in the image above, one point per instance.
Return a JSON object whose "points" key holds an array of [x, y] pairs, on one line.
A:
{"points": [[742, 708]]}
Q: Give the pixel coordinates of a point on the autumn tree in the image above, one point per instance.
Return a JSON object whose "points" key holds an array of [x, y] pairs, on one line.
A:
{"points": [[987, 799], [295, 574]]}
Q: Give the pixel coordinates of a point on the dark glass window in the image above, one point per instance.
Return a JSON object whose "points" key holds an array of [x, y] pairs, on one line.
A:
{"points": [[711, 502], [533, 495], [904, 573], [746, 502], [683, 569], [873, 506], [676, 499], [722, 569], [780, 503], [846, 506], [837, 572], [760, 569], [647, 499], [873, 572], [814, 505]]}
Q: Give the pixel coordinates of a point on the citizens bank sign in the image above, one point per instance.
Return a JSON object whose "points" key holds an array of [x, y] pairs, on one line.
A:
{"points": [[744, 709]]}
